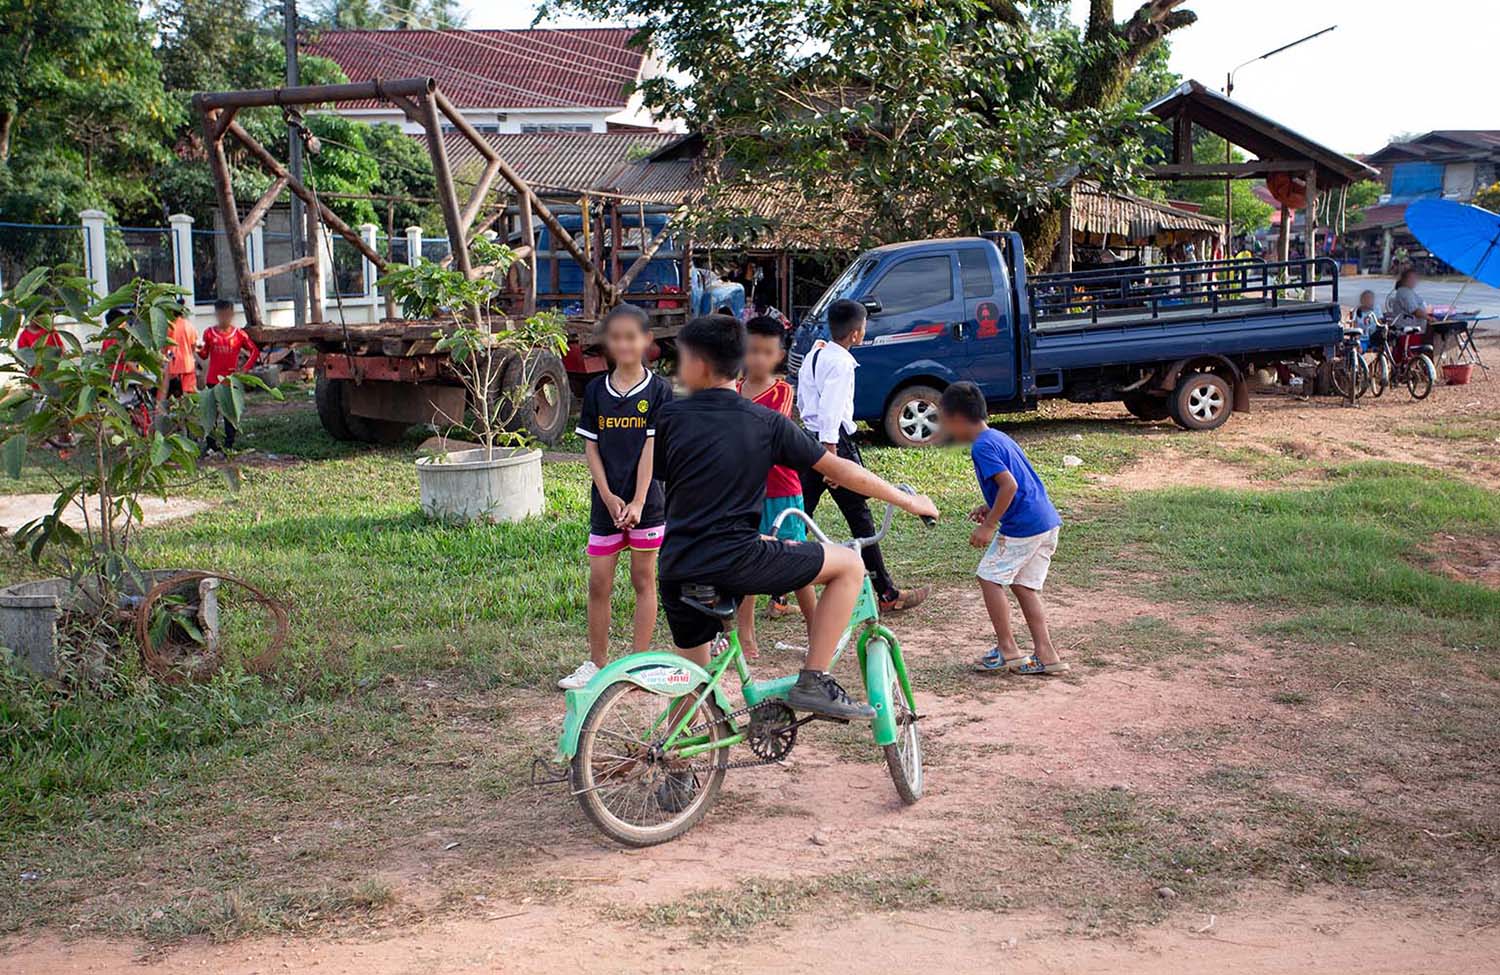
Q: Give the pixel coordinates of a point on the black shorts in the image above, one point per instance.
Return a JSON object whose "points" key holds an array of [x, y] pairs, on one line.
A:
{"points": [[765, 568]]}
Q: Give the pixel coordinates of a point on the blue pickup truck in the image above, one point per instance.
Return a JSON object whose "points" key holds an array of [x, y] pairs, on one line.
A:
{"points": [[1170, 341]]}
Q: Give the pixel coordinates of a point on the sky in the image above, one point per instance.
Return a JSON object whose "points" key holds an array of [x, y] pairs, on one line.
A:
{"points": [[1390, 67]]}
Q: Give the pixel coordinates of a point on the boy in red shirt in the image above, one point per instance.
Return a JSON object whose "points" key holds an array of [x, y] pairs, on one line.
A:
{"points": [[222, 345], [764, 351]]}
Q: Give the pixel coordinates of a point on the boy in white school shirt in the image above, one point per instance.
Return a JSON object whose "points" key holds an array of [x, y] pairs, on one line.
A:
{"points": [[825, 401]]}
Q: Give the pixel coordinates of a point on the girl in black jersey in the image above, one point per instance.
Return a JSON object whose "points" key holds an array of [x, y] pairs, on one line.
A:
{"points": [[617, 422]]}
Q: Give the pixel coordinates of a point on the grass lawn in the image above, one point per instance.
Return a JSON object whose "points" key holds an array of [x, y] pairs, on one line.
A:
{"points": [[397, 621]]}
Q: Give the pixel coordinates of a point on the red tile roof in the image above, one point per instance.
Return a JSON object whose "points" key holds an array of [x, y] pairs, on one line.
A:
{"points": [[556, 160], [541, 68]]}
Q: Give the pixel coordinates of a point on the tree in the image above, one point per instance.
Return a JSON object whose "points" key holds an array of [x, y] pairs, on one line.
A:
{"points": [[385, 14], [1487, 198], [83, 116], [950, 115]]}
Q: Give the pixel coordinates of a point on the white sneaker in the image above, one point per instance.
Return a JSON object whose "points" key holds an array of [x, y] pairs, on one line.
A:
{"points": [[579, 677]]}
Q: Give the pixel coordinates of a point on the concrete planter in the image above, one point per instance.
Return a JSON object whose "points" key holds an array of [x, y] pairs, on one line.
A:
{"points": [[464, 486], [30, 611]]}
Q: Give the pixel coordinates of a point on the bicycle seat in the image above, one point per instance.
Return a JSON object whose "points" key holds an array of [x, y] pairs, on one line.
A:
{"points": [[1353, 333], [709, 601]]}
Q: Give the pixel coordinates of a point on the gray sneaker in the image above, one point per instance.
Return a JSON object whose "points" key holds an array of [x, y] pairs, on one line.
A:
{"points": [[821, 694]]}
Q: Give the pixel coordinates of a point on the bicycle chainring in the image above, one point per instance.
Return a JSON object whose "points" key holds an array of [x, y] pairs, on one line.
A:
{"points": [[773, 731]]}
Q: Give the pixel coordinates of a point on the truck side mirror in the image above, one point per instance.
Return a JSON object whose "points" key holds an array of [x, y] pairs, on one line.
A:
{"points": [[872, 305]]}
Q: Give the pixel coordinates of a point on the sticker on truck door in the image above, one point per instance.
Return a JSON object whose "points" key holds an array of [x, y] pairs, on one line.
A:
{"points": [[988, 314]]}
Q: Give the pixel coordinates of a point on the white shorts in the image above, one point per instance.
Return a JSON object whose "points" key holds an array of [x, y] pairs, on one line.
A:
{"points": [[1019, 561]]}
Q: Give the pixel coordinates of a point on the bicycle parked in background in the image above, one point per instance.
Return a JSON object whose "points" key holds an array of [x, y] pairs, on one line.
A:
{"points": [[1404, 359], [1350, 374]]}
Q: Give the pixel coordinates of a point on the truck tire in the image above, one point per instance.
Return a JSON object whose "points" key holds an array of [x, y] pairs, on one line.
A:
{"points": [[333, 412], [1201, 401], [911, 417], [543, 412], [1144, 406]]}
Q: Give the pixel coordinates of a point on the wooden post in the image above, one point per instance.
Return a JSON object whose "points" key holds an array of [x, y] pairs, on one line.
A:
{"points": [[218, 164], [1310, 236], [1065, 238], [528, 239], [452, 219], [315, 267], [1284, 243]]}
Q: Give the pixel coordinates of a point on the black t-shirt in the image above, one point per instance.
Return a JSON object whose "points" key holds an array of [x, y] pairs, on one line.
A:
{"points": [[713, 452], [621, 424]]}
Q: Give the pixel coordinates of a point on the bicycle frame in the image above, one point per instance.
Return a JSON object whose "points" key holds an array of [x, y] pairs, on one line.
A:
{"points": [[667, 673]]}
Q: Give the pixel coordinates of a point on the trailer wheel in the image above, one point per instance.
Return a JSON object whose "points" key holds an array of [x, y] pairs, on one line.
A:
{"points": [[1144, 406], [911, 417], [1202, 401], [332, 401], [543, 411]]}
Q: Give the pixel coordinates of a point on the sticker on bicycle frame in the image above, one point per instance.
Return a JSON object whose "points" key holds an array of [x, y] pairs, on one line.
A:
{"points": [[663, 678]]}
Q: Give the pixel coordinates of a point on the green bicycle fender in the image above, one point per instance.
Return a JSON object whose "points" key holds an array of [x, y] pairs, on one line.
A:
{"points": [[876, 665], [660, 672]]}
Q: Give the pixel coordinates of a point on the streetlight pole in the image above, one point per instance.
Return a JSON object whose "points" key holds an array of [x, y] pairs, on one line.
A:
{"points": [[1229, 148]]}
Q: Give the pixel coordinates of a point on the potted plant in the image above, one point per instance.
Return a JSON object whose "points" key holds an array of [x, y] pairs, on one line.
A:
{"points": [[86, 412], [499, 479]]}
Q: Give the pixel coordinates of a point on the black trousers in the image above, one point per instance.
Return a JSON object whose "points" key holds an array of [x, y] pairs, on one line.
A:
{"points": [[856, 511]]}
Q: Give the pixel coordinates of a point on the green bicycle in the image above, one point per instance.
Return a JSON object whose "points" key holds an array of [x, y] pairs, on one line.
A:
{"points": [[646, 743]]}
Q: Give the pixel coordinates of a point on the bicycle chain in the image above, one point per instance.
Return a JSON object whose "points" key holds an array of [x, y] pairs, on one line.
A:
{"points": [[744, 763]]}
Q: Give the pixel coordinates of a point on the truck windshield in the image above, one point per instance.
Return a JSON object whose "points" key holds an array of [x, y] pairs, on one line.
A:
{"points": [[847, 284]]}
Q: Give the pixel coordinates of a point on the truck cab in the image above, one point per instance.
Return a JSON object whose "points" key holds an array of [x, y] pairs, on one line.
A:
{"points": [[940, 311]]}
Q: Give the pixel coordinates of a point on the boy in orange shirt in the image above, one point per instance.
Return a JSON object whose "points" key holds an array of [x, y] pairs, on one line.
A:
{"points": [[182, 362]]}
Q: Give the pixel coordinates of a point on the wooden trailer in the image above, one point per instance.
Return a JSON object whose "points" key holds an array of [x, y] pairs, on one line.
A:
{"points": [[376, 380]]}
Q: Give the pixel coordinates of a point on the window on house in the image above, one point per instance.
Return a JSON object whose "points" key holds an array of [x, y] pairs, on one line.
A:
{"points": [[531, 127]]}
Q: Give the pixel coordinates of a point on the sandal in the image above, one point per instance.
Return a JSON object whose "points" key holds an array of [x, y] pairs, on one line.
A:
{"points": [[994, 661], [1035, 668]]}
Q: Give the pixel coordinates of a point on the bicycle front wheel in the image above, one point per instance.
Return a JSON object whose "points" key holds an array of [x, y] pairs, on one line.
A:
{"points": [[904, 756], [627, 786], [1380, 375], [1421, 374]]}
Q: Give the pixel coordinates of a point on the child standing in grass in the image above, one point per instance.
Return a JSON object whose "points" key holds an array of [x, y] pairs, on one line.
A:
{"points": [[764, 351], [617, 422], [1017, 528], [223, 345]]}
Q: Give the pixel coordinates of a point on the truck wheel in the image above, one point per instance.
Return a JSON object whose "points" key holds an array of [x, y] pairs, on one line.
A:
{"points": [[911, 419], [328, 394], [333, 411], [543, 411], [1202, 401], [1144, 406]]}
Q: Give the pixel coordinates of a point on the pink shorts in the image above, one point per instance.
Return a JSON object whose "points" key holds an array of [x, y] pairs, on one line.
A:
{"points": [[639, 539]]}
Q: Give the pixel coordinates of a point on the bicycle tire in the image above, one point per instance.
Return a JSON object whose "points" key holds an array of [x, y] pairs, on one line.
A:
{"points": [[905, 763], [1421, 376], [1380, 375], [589, 791]]}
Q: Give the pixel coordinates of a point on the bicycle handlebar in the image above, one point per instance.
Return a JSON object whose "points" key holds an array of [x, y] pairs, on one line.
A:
{"points": [[858, 544]]}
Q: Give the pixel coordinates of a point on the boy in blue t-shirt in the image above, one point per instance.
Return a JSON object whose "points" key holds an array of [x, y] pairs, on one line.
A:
{"points": [[1017, 528]]}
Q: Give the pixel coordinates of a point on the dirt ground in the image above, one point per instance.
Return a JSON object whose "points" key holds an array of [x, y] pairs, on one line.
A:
{"points": [[1075, 825]]}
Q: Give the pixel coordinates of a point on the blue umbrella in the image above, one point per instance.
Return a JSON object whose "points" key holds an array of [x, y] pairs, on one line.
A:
{"points": [[1466, 237]]}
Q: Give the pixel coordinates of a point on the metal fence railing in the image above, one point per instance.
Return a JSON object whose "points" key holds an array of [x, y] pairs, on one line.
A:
{"points": [[24, 246], [139, 252]]}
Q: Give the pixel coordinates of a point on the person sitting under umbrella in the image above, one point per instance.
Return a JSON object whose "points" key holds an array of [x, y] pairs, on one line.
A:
{"points": [[1404, 306]]}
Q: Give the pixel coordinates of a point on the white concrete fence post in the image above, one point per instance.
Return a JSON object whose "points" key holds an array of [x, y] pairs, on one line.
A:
{"points": [[95, 254], [182, 256], [256, 258], [413, 245], [367, 232], [325, 261]]}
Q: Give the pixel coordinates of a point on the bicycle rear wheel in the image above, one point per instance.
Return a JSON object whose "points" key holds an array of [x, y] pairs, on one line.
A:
{"points": [[1421, 374], [626, 785]]}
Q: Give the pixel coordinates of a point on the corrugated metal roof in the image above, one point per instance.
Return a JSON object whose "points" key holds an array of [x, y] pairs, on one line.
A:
{"points": [[556, 160], [500, 69], [1134, 219]]}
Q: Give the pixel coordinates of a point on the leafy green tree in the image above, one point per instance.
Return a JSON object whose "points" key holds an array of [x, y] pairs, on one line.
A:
{"points": [[83, 117], [382, 14], [949, 115]]}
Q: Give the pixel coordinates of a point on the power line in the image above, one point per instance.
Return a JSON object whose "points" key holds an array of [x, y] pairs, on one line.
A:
{"points": [[494, 86]]}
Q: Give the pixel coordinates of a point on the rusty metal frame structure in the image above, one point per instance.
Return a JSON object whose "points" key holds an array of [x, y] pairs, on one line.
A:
{"points": [[425, 105]]}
